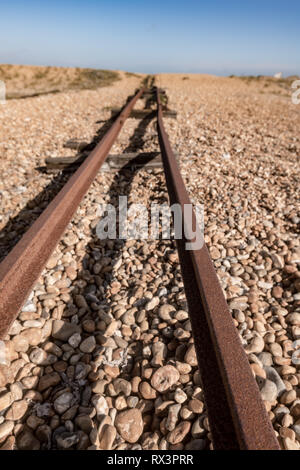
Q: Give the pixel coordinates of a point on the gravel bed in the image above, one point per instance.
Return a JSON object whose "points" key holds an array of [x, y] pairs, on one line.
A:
{"points": [[101, 356]]}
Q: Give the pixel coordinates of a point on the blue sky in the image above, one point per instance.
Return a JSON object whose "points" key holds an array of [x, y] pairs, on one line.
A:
{"points": [[213, 36]]}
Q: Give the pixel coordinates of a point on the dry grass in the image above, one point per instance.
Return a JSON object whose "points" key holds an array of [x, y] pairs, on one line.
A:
{"points": [[24, 81], [132, 74], [267, 84]]}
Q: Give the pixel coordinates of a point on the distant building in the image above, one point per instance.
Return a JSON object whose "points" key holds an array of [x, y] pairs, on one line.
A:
{"points": [[278, 75]]}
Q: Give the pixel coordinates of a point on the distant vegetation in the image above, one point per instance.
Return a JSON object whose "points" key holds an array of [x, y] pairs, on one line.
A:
{"points": [[273, 85], [25, 81], [131, 74]]}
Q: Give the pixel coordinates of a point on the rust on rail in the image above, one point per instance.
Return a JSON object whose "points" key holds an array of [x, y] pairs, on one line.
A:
{"points": [[21, 268], [237, 415]]}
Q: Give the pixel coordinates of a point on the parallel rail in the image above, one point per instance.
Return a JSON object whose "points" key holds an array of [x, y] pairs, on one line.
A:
{"points": [[237, 415], [24, 264], [238, 418]]}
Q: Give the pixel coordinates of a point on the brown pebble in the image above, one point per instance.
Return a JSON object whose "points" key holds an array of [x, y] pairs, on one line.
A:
{"points": [[164, 378], [129, 424], [179, 433]]}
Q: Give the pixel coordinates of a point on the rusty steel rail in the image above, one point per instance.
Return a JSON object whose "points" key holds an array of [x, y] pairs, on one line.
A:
{"points": [[24, 264], [238, 418]]}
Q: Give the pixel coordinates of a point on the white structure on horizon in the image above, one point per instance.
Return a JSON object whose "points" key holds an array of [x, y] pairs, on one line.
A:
{"points": [[278, 75]]}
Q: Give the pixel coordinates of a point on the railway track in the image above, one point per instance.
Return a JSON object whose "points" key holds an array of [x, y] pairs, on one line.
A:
{"points": [[237, 415]]}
